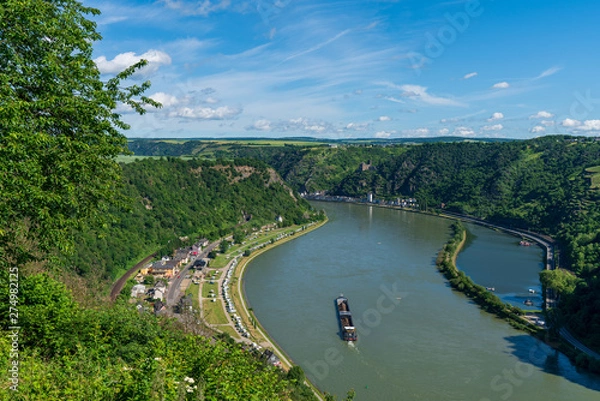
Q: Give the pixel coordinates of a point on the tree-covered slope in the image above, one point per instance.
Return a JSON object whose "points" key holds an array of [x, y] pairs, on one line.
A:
{"points": [[173, 199], [544, 184]]}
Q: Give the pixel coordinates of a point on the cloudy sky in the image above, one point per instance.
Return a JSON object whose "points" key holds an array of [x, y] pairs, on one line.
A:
{"points": [[365, 68]]}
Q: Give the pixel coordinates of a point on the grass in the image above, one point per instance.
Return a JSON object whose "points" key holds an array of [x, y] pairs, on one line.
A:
{"points": [[222, 259], [132, 158], [261, 142], [532, 156], [193, 290], [206, 287], [210, 272], [229, 330], [594, 176], [213, 312]]}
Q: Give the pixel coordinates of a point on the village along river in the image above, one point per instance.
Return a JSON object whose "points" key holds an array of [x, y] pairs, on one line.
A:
{"points": [[417, 339]]}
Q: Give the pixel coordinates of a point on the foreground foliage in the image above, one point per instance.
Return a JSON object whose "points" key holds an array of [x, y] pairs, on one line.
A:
{"points": [[59, 133], [117, 353]]}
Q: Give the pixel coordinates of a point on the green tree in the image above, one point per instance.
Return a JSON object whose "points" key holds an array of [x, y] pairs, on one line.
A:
{"points": [[296, 374], [238, 236], [224, 246], [561, 281], [59, 133]]}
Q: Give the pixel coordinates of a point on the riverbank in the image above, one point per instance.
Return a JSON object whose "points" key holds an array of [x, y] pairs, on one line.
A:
{"points": [[257, 332], [446, 264]]}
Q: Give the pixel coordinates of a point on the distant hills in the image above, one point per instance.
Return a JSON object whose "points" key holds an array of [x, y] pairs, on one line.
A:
{"points": [[193, 146]]}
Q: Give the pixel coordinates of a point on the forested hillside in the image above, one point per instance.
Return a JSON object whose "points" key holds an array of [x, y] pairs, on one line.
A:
{"points": [[547, 184], [172, 199]]}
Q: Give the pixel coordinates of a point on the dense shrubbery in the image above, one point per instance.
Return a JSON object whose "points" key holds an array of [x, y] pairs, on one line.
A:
{"points": [[117, 353]]}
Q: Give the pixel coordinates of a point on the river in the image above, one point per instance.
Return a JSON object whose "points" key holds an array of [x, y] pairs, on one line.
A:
{"points": [[418, 339]]}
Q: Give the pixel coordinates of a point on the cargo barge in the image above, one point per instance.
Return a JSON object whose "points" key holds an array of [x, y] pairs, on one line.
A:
{"points": [[347, 329]]}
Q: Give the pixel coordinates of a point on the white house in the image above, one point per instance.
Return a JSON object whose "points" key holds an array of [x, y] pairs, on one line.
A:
{"points": [[137, 290]]}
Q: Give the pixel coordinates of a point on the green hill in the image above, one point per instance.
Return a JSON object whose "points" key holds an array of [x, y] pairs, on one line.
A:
{"points": [[172, 199]]}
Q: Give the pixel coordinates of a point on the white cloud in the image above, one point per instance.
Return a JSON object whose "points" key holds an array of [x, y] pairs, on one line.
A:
{"points": [[590, 125], [260, 125], [419, 132], [570, 123], [165, 99], [547, 123], [496, 116], [541, 114], [470, 75], [444, 131], [211, 100], [315, 128], [501, 85], [206, 113], [300, 125], [495, 127], [537, 129], [383, 134], [112, 19], [393, 99], [155, 59], [420, 93], [318, 46], [202, 7], [384, 118], [462, 117], [356, 126], [576, 125], [463, 131], [548, 72]]}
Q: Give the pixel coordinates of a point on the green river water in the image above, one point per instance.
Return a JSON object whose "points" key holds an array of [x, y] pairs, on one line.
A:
{"points": [[418, 339]]}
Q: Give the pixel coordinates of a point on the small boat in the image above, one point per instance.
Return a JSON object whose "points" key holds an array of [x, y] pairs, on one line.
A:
{"points": [[524, 243], [492, 289], [528, 302], [531, 291]]}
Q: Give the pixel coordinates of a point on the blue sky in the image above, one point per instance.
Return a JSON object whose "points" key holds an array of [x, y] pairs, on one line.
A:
{"points": [[358, 69]]}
